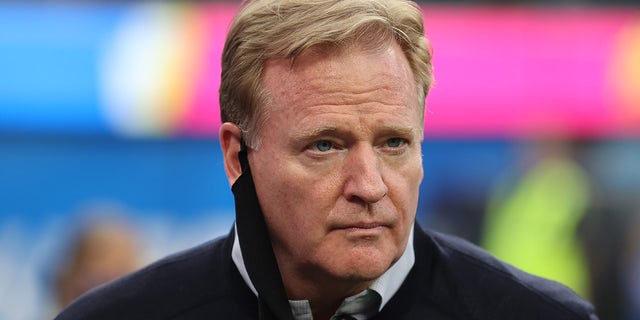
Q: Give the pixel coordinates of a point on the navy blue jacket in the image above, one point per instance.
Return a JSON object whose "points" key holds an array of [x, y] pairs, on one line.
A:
{"points": [[451, 279]]}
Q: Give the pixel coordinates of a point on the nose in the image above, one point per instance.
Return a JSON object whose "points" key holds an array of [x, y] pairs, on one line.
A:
{"points": [[364, 181]]}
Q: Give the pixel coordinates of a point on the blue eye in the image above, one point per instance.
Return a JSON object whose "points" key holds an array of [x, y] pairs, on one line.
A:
{"points": [[323, 145], [395, 142]]}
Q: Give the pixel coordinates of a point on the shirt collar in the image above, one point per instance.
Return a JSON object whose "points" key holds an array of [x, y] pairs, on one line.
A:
{"points": [[389, 282], [236, 256], [386, 285]]}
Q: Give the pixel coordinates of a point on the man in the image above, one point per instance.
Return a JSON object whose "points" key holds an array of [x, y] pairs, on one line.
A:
{"points": [[322, 103]]}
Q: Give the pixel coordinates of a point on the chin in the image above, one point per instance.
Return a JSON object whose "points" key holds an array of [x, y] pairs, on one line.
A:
{"points": [[366, 265]]}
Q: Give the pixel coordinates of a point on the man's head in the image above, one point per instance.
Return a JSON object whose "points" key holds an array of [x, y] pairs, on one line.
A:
{"points": [[284, 29], [334, 93]]}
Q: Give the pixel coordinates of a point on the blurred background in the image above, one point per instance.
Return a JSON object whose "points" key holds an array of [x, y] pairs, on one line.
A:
{"points": [[109, 155]]}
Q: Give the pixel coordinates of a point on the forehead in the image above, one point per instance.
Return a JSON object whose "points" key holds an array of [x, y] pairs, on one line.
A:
{"points": [[347, 75]]}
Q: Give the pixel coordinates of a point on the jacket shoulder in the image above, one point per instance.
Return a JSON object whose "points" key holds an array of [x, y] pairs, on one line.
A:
{"points": [[176, 286], [491, 288]]}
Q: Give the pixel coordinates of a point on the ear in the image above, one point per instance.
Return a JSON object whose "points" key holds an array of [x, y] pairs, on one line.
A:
{"points": [[230, 136]]}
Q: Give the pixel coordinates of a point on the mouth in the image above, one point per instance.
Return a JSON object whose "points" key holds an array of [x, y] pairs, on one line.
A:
{"points": [[362, 228]]}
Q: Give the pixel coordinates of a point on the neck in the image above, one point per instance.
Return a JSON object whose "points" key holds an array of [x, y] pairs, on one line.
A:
{"points": [[324, 293], [324, 311]]}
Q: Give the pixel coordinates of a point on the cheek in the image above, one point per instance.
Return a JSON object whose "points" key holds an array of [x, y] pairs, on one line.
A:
{"points": [[296, 214], [404, 188], [292, 199]]}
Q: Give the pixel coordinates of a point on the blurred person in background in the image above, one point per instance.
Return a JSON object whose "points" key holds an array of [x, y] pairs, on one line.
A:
{"points": [[323, 109], [533, 217], [103, 251]]}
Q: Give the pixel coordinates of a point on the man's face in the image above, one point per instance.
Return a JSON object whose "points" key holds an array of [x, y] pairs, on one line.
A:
{"points": [[339, 166]]}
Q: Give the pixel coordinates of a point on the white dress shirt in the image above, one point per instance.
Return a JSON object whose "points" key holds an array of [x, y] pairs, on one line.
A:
{"points": [[386, 285]]}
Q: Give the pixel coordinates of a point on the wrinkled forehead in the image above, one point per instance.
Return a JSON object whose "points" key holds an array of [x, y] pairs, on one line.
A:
{"points": [[328, 61], [290, 82], [353, 76]]}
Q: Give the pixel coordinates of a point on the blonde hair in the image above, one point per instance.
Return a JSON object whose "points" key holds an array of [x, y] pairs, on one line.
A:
{"points": [[267, 29]]}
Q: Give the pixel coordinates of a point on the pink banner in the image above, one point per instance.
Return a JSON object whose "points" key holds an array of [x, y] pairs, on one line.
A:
{"points": [[500, 71], [523, 71]]}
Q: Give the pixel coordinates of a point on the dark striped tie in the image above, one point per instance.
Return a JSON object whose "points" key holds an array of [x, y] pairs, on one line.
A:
{"points": [[360, 307]]}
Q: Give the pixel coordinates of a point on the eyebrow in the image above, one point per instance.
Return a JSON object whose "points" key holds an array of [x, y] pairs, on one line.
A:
{"points": [[327, 130], [331, 130], [402, 131]]}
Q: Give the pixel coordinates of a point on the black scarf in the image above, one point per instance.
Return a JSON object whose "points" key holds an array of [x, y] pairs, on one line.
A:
{"points": [[256, 248]]}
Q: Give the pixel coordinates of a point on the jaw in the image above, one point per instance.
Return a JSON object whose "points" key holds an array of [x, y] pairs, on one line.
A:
{"points": [[342, 265], [341, 276]]}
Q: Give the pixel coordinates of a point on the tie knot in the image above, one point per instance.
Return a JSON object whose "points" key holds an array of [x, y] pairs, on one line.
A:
{"points": [[359, 307]]}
